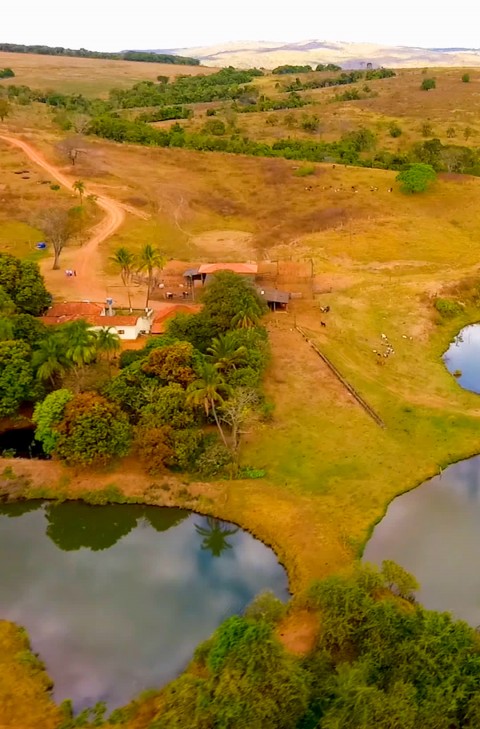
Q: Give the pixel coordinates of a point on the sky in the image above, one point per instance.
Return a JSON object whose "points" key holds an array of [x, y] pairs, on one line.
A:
{"points": [[112, 25]]}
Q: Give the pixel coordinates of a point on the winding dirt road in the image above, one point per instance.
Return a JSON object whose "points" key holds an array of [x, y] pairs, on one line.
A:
{"points": [[89, 282]]}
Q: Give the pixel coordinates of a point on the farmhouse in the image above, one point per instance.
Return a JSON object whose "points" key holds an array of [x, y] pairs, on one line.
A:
{"points": [[128, 326]]}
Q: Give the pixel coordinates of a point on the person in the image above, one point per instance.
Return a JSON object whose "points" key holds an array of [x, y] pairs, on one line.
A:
{"points": [[74, 272]]}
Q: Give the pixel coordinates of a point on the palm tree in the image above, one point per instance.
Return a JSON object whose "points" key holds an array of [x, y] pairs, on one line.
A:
{"points": [[206, 391], [224, 353], [50, 359], [126, 262], [108, 342], [79, 187], [150, 258], [215, 536], [81, 344], [247, 318]]}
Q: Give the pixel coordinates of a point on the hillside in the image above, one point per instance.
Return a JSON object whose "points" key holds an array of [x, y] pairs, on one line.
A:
{"points": [[267, 54]]}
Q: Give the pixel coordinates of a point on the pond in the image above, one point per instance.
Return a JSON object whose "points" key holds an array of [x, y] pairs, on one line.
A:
{"points": [[463, 357], [116, 598], [434, 532]]}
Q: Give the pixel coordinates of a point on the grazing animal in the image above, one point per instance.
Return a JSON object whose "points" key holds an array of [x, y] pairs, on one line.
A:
{"points": [[322, 324]]}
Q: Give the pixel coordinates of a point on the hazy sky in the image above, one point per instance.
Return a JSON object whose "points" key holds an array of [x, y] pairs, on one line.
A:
{"points": [[116, 25]]}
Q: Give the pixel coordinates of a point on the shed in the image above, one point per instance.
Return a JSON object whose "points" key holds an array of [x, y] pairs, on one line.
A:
{"points": [[275, 299]]}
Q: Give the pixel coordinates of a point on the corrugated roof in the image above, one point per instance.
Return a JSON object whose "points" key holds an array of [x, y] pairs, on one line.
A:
{"points": [[274, 295], [245, 268]]}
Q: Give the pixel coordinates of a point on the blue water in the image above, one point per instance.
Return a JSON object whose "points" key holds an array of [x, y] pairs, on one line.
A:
{"points": [[116, 598], [464, 355]]}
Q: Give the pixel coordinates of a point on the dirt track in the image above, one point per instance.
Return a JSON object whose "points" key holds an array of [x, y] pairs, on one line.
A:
{"points": [[84, 259]]}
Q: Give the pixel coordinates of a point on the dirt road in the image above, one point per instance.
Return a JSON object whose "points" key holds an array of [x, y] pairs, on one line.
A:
{"points": [[89, 282]]}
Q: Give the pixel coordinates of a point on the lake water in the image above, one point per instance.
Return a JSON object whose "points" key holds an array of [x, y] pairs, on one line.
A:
{"points": [[434, 532], [463, 356], [116, 598]]}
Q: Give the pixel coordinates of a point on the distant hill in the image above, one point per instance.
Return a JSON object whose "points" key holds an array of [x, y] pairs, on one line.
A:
{"points": [[268, 54]]}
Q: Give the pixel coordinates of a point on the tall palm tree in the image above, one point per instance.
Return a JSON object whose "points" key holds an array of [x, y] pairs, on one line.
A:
{"points": [[108, 342], [150, 258], [224, 353], [125, 260], [50, 359], [79, 187], [207, 391], [81, 346]]}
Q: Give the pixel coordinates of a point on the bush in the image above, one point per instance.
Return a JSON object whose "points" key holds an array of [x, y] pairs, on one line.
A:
{"points": [[428, 83], [154, 449], [214, 126], [188, 446], [266, 606], [466, 78], [128, 356], [416, 178], [304, 171], [447, 308], [394, 130], [214, 460]]}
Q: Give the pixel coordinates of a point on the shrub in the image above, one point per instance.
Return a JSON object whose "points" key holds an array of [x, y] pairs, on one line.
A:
{"points": [[214, 460], [416, 178], [428, 83], [153, 447], [304, 171], [250, 472], [447, 308], [394, 130], [188, 446], [266, 606], [214, 126], [47, 417], [466, 78], [168, 408], [128, 356]]}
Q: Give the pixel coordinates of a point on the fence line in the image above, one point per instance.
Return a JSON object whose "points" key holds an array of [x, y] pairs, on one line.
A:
{"points": [[369, 410]]}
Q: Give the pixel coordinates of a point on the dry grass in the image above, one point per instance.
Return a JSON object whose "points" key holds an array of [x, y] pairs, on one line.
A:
{"points": [[88, 76]]}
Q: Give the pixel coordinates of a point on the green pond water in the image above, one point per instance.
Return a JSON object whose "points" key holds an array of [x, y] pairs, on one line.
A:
{"points": [[116, 598]]}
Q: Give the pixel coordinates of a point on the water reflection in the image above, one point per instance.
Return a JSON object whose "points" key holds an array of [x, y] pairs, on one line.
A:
{"points": [[463, 358], [215, 535], [110, 621], [433, 531]]}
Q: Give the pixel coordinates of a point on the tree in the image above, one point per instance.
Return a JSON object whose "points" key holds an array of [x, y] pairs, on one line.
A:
{"points": [[50, 360], [7, 307], [149, 260], [236, 412], [466, 78], [172, 363], [5, 109], [58, 226], [47, 415], [229, 295], [29, 329], [81, 346], [79, 187], [428, 83], [168, 408], [451, 132], [225, 354], [125, 260], [71, 147], [93, 431], [16, 376], [207, 392], [108, 343], [6, 329], [416, 178], [153, 447], [22, 282]]}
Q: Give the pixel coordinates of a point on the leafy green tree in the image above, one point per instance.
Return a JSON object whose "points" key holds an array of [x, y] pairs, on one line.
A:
{"points": [[50, 360], [225, 354], [214, 126], [149, 260], [168, 408], [7, 307], [79, 186], [23, 283], [428, 83], [93, 431], [226, 296], [16, 376], [6, 330], [47, 415], [207, 392], [172, 363], [29, 329], [132, 389], [416, 178]]}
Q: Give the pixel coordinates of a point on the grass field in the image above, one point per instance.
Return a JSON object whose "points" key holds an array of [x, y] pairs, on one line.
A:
{"points": [[88, 76], [378, 258]]}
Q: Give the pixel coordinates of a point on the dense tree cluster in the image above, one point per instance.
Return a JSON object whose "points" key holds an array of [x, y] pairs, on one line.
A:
{"points": [[83, 53], [380, 660]]}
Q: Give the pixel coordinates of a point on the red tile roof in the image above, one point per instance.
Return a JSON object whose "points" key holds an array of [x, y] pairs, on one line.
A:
{"points": [[77, 309]]}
